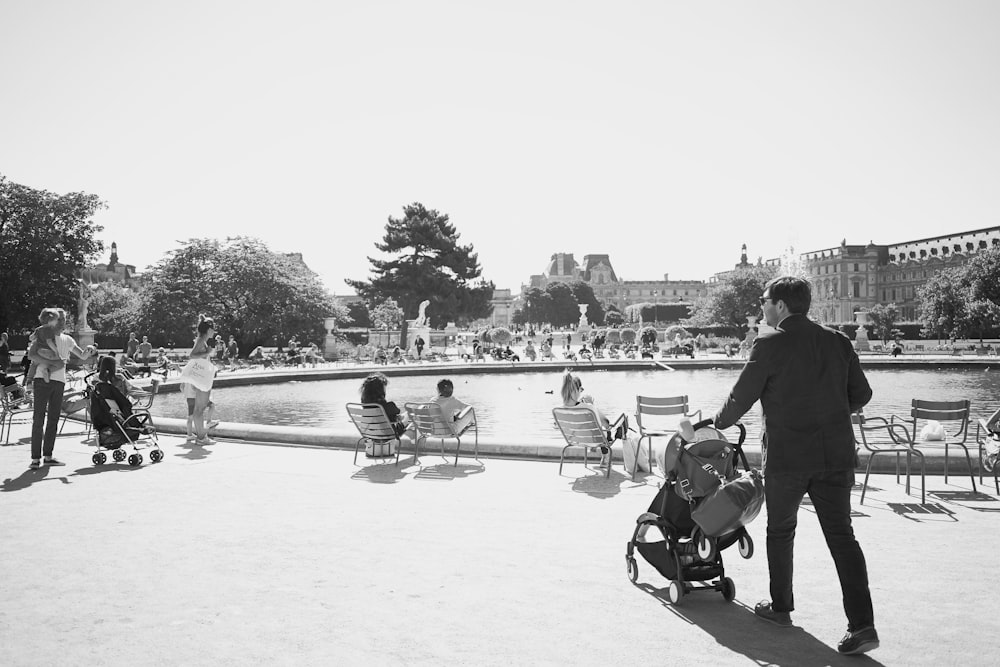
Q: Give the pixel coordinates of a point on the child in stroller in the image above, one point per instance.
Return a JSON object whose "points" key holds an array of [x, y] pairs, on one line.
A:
{"points": [[688, 553], [116, 424]]}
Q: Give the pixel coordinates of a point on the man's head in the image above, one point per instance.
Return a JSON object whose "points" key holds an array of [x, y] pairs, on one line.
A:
{"points": [[445, 388], [785, 296]]}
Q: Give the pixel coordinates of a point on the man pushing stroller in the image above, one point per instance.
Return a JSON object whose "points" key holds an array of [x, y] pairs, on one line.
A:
{"points": [[809, 381]]}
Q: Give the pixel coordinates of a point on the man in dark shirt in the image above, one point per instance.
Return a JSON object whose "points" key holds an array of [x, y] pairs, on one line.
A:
{"points": [[808, 380]]}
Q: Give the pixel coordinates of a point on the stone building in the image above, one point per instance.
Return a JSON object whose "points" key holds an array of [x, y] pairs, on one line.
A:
{"points": [[609, 288], [113, 270]]}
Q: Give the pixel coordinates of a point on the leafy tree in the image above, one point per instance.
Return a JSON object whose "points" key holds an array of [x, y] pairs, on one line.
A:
{"points": [[426, 262], [537, 306], [883, 318], [942, 306], [387, 315], [357, 313], [673, 331], [256, 295], [114, 308], [614, 336], [45, 240], [564, 311], [501, 336], [733, 299], [613, 318], [627, 335]]}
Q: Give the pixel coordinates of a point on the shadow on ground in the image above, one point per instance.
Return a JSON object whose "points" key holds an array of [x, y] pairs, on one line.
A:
{"points": [[734, 626], [448, 471]]}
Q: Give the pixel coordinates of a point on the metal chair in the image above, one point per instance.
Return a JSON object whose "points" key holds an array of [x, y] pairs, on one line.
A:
{"points": [[654, 409], [990, 462], [429, 422], [954, 416], [12, 407], [372, 424], [878, 435], [581, 428]]}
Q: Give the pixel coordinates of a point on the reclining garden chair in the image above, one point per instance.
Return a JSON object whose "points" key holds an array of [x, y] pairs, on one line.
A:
{"points": [[581, 428], [373, 424], [429, 422]]}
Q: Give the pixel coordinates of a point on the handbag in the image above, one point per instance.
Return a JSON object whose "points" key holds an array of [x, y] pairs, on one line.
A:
{"points": [[375, 449], [703, 466], [731, 505]]}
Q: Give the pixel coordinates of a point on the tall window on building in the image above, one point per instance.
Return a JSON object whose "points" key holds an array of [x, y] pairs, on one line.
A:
{"points": [[857, 289]]}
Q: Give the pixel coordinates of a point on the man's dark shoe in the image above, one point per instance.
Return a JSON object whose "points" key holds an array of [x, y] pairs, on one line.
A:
{"points": [[859, 641], [780, 618]]}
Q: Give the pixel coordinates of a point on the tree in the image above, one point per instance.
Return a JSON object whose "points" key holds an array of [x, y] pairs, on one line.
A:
{"points": [[613, 318], [114, 308], [537, 306], [357, 313], [734, 299], [501, 336], [45, 240], [883, 318], [564, 311], [258, 296], [387, 315], [584, 293], [941, 304], [426, 262], [963, 301]]}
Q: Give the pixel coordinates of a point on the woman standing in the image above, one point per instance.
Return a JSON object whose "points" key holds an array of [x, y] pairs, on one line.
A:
{"points": [[198, 375], [4, 352], [49, 393]]}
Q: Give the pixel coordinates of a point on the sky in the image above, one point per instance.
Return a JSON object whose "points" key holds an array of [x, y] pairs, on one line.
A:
{"points": [[665, 134]]}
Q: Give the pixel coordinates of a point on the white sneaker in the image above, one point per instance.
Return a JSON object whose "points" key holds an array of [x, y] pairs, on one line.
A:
{"points": [[204, 441], [212, 424]]}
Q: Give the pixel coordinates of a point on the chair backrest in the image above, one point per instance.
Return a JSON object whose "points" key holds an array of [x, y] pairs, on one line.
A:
{"points": [[580, 426], [942, 411], [371, 421], [429, 421], [9, 398], [652, 406]]}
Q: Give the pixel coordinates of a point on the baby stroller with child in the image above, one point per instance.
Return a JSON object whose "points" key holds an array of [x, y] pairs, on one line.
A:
{"points": [[701, 510], [117, 426]]}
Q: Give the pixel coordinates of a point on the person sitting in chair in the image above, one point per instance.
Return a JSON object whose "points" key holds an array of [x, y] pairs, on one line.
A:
{"points": [[373, 391], [529, 351], [573, 396], [452, 408]]}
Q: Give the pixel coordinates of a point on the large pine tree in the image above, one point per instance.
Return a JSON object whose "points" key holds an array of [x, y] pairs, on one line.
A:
{"points": [[425, 262]]}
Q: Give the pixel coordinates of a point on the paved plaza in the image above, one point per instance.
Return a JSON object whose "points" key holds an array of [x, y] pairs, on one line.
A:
{"points": [[255, 554]]}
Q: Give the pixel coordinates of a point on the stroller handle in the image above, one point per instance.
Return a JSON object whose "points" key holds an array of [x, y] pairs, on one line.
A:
{"points": [[708, 422]]}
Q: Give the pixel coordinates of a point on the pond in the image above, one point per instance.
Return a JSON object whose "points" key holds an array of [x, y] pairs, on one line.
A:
{"points": [[518, 407]]}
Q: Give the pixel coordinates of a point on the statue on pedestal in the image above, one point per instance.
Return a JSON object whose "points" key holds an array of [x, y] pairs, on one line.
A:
{"points": [[583, 315], [82, 306], [422, 320]]}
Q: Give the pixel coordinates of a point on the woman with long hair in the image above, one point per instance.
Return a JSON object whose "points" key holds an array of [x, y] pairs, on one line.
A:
{"points": [[573, 396], [198, 376], [373, 391]]}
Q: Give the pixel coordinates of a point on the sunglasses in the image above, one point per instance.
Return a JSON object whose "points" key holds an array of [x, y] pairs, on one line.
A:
{"points": [[763, 299]]}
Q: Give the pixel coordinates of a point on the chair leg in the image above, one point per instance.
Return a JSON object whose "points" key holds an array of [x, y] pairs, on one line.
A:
{"points": [[972, 474], [946, 463], [356, 446], [868, 471]]}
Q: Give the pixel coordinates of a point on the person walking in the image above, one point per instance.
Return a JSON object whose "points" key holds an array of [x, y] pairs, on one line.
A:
{"points": [[48, 393], [809, 381], [197, 378]]}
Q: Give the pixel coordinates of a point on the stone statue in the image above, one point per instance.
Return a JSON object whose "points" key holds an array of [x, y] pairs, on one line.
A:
{"points": [[583, 314], [421, 320], [82, 306]]}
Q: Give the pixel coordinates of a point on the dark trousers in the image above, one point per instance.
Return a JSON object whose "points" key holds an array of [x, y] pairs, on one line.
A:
{"points": [[830, 493], [48, 403]]}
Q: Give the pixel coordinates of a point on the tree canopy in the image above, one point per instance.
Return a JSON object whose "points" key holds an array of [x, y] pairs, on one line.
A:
{"points": [[259, 296], [425, 261], [963, 301], [45, 240], [883, 318], [558, 305], [734, 299]]}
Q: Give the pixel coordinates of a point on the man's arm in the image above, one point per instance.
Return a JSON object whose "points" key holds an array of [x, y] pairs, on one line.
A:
{"points": [[746, 391], [859, 392]]}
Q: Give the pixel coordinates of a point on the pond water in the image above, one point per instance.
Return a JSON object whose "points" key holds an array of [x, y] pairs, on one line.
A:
{"points": [[517, 406]]}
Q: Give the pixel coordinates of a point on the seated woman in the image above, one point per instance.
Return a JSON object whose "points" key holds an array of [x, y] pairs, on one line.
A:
{"points": [[585, 352], [509, 355], [397, 355], [529, 351], [573, 396], [373, 391]]}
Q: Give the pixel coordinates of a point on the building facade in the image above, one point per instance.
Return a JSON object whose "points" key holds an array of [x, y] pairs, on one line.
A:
{"points": [[609, 288]]}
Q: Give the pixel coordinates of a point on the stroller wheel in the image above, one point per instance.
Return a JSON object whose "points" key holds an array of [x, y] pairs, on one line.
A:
{"points": [[675, 592], [98, 458], [135, 460], [745, 545], [156, 456], [728, 589], [633, 570], [118, 455], [706, 547]]}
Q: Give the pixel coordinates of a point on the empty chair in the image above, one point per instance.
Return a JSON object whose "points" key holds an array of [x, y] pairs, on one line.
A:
{"points": [[429, 422], [13, 405], [373, 425], [877, 436], [954, 417], [656, 417]]}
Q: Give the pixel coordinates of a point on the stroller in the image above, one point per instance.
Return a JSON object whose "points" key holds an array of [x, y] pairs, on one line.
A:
{"points": [[119, 427], [691, 552]]}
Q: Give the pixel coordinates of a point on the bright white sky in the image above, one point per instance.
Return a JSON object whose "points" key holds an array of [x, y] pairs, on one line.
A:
{"points": [[663, 133]]}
